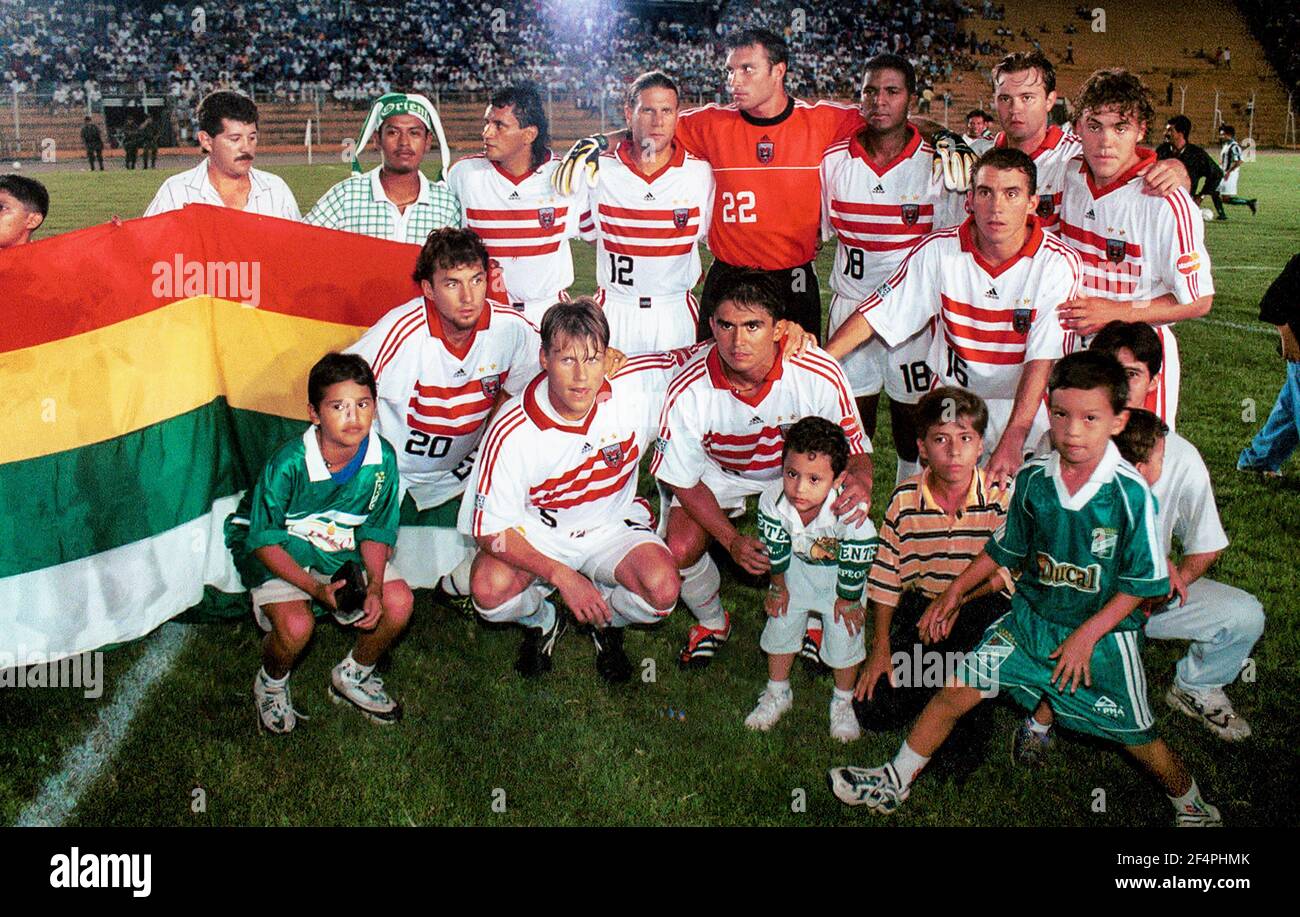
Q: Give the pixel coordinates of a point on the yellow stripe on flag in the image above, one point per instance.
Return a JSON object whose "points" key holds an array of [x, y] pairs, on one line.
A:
{"points": [[93, 387]]}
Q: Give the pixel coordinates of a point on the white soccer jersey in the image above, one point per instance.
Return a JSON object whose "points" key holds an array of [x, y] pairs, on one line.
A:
{"points": [[706, 426], [1135, 245], [1185, 501], [540, 473], [524, 223], [877, 213], [647, 227], [992, 319], [1051, 160], [433, 400]]}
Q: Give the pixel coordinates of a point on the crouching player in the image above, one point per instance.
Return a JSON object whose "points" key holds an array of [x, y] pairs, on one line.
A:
{"points": [[819, 565], [1081, 530], [324, 499], [936, 524], [552, 499]]}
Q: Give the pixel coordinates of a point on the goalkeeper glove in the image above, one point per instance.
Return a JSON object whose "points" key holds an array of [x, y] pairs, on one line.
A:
{"points": [[583, 155], [953, 160]]}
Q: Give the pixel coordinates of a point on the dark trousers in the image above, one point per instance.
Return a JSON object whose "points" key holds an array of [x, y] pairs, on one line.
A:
{"points": [[803, 303], [131, 153], [93, 153]]}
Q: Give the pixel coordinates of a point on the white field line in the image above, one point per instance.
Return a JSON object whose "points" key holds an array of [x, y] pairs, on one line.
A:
{"points": [[81, 765], [1261, 328]]}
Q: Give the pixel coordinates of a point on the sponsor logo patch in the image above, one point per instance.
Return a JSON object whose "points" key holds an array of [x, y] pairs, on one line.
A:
{"points": [[1107, 707], [1189, 263], [1103, 542]]}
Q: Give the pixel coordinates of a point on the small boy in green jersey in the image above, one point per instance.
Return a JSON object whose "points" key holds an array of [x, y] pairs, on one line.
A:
{"points": [[1081, 530], [325, 498], [819, 566]]}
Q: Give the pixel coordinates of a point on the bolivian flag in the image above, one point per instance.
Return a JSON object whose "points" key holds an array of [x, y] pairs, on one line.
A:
{"points": [[147, 371]]}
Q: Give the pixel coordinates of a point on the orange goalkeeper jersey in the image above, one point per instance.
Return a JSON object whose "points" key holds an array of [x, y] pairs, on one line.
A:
{"points": [[767, 208]]}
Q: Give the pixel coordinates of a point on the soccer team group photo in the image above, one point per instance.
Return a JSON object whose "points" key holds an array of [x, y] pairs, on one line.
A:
{"points": [[649, 413]]}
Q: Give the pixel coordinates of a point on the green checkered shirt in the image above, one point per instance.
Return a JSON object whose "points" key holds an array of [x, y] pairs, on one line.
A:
{"points": [[358, 204]]}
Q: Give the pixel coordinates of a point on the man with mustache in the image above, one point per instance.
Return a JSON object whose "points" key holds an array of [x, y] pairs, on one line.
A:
{"points": [[226, 177]]}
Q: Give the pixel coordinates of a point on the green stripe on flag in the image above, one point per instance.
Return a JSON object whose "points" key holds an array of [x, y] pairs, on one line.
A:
{"points": [[73, 504]]}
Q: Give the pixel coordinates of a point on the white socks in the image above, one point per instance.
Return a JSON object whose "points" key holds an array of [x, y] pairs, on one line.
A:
{"points": [[630, 608], [529, 608], [457, 581], [908, 764], [1190, 799], [778, 688], [700, 584]]}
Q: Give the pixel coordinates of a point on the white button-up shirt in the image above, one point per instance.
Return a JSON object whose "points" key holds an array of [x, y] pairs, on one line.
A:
{"points": [[267, 195]]}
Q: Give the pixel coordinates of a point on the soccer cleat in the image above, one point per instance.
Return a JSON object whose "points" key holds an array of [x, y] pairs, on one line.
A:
{"points": [[611, 661], [537, 646], [844, 722], [1199, 816], [1030, 748], [461, 604], [1253, 204], [363, 691], [770, 707], [1212, 709], [811, 652], [275, 711], [702, 643], [877, 788]]}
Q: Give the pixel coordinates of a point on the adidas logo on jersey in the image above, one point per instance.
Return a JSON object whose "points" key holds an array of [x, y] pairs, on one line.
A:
{"points": [[879, 189], [648, 197], [514, 196], [756, 420], [991, 293], [1090, 215], [458, 374], [586, 447]]}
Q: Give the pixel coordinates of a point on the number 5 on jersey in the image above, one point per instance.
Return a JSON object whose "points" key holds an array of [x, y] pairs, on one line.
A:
{"points": [[738, 207]]}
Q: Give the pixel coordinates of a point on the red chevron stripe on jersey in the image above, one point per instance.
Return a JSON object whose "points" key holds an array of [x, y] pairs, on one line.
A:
{"points": [[592, 480], [747, 452]]}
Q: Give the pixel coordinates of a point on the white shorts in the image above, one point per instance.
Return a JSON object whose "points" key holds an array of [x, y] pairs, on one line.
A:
{"points": [[596, 553], [1228, 187], [812, 592], [649, 324], [901, 371], [731, 491], [535, 309], [277, 590]]}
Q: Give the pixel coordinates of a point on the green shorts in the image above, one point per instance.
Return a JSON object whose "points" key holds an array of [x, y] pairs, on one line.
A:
{"points": [[1013, 657]]}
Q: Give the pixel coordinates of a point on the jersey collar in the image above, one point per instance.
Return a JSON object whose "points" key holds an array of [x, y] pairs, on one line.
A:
{"points": [[966, 233], [975, 496], [316, 470], [772, 121], [1102, 474], [624, 153], [719, 379], [1050, 140], [1144, 158], [433, 323], [518, 180], [909, 150], [535, 394], [825, 517]]}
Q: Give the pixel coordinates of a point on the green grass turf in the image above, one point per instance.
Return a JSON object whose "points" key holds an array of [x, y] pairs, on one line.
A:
{"points": [[567, 750]]}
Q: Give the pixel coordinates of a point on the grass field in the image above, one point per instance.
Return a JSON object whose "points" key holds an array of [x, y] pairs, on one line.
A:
{"points": [[567, 750]]}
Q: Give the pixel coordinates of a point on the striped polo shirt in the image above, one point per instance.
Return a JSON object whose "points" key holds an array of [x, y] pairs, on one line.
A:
{"points": [[922, 547]]}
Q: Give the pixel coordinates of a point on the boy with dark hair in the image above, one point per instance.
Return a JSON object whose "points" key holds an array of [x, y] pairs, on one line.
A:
{"points": [[720, 437], [324, 500], [24, 203], [819, 566], [936, 524], [1080, 531], [1136, 346]]}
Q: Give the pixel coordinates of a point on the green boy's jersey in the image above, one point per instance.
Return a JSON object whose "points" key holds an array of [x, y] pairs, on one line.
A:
{"points": [[844, 551], [297, 505], [1075, 552]]}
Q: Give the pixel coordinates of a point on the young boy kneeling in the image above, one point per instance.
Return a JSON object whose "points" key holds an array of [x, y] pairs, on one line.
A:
{"points": [[1081, 530], [819, 566], [324, 499]]}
